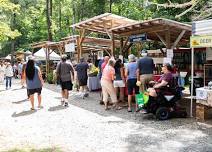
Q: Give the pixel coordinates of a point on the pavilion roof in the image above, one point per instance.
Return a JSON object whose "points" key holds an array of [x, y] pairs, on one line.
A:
{"points": [[103, 22], [155, 27]]}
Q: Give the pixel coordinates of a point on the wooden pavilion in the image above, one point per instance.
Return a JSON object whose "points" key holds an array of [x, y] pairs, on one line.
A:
{"points": [[90, 44], [48, 47], [170, 33], [100, 24]]}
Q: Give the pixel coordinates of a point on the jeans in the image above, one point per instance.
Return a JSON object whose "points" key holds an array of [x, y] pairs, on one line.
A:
{"points": [[8, 81]]}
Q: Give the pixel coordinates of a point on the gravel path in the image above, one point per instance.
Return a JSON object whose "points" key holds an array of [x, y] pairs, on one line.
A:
{"points": [[85, 127]]}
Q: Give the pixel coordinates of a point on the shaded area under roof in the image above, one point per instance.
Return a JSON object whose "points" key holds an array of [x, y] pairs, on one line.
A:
{"points": [[156, 29]]}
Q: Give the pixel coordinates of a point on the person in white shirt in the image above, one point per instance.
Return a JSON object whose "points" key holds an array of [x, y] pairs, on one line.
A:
{"points": [[9, 75], [2, 69]]}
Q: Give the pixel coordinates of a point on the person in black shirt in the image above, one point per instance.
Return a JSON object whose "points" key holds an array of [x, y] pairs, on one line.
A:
{"points": [[82, 76], [145, 70]]}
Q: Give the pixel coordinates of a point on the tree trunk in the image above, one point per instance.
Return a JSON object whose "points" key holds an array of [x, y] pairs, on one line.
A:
{"points": [[60, 19], [48, 18], [111, 3], [82, 9]]}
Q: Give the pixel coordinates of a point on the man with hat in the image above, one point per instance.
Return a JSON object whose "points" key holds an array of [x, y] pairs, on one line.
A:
{"points": [[145, 70]]}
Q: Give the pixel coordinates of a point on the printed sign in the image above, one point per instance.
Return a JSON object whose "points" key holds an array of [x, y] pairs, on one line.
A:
{"points": [[100, 55], [201, 41], [167, 60], [138, 38], [201, 94], [70, 47], [170, 53]]}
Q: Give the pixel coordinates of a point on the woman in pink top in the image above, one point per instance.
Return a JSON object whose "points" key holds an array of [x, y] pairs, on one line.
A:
{"points": [[107, 84]]}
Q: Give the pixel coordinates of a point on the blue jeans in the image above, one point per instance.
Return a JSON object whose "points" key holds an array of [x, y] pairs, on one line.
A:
{"points": [[8, 81]]}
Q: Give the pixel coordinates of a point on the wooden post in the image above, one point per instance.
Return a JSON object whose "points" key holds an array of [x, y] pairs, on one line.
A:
{"points": [[81, 38], [121, 46], [78, 49], [168, 39], [112, 45]]}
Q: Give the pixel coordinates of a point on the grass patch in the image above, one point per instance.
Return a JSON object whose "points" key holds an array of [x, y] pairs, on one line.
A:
{"points": [[36, 150]]}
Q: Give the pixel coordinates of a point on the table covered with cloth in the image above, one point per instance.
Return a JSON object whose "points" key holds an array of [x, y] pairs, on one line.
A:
{"points": [[93, 83], [204, 96]]}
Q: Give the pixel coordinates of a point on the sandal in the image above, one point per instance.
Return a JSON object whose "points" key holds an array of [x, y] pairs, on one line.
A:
{"points": [[137, 110], [40, 107], [118, 108], [32, 109], [129, 110]]}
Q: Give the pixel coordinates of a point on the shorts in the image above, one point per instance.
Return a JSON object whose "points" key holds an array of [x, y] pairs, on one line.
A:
{"points": [[83, 82], [67, 85], [131, 85], [118, 84], [33, 91]]}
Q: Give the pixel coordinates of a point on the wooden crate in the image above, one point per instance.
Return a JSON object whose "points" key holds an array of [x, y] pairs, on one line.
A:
{"points": [[203, 112]]}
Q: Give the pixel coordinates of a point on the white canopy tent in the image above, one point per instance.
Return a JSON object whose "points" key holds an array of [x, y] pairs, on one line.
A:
{"points": [[8, 57], [41, 55]]}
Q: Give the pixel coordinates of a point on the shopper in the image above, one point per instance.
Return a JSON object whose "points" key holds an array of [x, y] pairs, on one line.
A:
{"points": [[65, 74], [145, 70], [8, 75], [106, 59], [34, 82], [23, 75], [2, 72], [20, 66], [107, 85], [119, 82], [131, 74], [82, 76]]}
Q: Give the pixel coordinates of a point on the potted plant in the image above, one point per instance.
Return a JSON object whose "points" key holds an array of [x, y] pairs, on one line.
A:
{"points": [[50, 78]]}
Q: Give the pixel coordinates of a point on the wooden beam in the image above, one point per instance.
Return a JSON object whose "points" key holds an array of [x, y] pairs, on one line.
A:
{"points": [[128, 47], [78, 49], [161, 38], [121, 45], [125, 44], [140, 30], [112, 45], [178, 39]]}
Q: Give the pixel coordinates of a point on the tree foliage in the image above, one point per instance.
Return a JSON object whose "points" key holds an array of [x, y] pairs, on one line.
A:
{"points": [[25, 21], [6, 9]]}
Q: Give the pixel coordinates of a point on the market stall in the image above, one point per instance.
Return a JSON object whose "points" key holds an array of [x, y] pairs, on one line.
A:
{"points": [[48, 48], [41, 55], [101, 24], [91, 48], [201, 38]]}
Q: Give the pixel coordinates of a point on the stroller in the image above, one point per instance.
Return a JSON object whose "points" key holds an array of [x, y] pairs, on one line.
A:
{"points": [[165, 106]]}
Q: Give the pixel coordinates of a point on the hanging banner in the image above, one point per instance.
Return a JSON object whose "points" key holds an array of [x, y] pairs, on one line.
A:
{"points": [[138, 38], [203, 27], [70, 47], [201, 41]]}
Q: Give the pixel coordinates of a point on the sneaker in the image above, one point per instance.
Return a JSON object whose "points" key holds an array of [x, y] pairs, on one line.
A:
{"points": [[62, 102], [66, 104], [143, 111], [86, 95]]}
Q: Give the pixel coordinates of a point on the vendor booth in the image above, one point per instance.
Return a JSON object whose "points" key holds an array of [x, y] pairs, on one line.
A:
{"points": [[41, 55], [202, 38]]}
